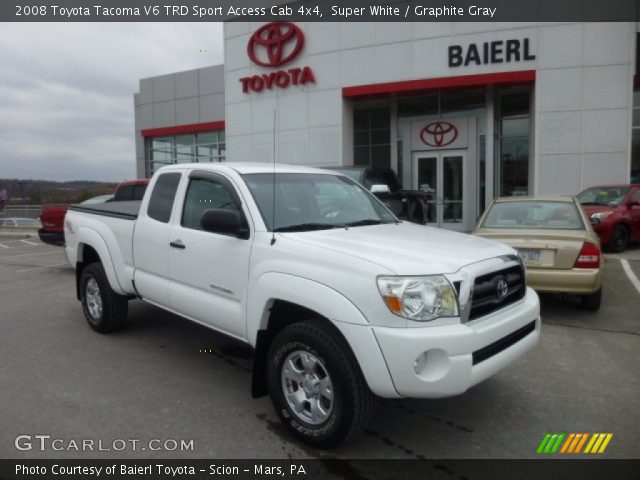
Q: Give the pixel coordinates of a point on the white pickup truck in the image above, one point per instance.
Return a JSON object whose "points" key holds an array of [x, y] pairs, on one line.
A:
{"points": [[341, 301]]}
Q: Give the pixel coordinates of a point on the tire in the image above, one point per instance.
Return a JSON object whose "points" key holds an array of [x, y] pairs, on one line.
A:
{"points": [[619, 239], [592, 302], [103, 308], [326, 356]]}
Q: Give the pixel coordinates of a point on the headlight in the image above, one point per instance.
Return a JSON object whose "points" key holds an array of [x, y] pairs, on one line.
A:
{"points": [[419, 298], [602, 215]]}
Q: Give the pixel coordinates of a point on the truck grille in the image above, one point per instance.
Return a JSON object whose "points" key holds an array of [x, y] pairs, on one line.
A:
{"points": [[496, 290]]}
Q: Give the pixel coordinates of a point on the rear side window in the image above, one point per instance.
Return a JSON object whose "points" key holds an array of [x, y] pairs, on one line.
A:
{"points": [[125, 192], [164, 192]]}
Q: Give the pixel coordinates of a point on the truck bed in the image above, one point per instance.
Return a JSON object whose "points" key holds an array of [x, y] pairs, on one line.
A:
{"points": [[126, 210]]}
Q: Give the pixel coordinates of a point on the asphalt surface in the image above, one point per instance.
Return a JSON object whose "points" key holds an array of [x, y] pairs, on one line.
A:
{"points": [[154, 380]]}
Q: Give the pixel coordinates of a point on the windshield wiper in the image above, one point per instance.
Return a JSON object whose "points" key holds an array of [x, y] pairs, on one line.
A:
{"points": [[594, 203], [307, 227], [362, 223]]}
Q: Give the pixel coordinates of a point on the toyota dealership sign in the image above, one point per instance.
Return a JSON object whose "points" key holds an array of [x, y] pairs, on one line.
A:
{"points": [[272, 46]]}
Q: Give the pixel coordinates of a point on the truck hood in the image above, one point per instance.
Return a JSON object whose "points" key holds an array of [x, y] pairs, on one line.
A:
{"points": [[405, 248]]}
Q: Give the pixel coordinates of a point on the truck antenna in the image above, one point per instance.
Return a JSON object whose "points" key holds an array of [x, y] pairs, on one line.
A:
{"points": [[273, 213]]}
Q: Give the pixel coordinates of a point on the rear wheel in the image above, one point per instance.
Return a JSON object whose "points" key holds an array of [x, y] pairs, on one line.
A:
{"points": [[104, 309], [619, 239], [592, 302], [316, 385]]}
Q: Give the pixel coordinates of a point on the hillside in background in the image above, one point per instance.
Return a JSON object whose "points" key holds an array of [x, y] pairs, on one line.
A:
{"points": [[39, 192]]}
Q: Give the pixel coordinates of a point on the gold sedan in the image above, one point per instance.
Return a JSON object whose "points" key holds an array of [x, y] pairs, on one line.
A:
{"points": [[554, 239]]}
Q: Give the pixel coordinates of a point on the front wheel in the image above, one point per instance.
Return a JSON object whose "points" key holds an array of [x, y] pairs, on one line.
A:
{"points": [[316, 385], [619, 239], [103, 308]]}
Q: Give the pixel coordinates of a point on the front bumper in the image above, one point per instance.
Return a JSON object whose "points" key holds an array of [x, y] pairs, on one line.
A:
{"points": [[580, 281], [461, 355]]}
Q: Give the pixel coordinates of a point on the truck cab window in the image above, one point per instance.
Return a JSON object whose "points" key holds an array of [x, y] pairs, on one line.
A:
{"points": [[203, 195], [125, 192], [164, 192]]}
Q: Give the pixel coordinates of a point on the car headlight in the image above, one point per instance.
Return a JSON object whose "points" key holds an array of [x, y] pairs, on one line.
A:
{"points": [[601, 215], [419, 298]]}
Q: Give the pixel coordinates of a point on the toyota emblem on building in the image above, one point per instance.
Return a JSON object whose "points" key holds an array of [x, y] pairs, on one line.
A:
{"points": [[502, 288], [275, 44], [439, 134]]}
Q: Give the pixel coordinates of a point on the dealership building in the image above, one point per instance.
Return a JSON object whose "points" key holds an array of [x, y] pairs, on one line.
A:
{"points": [[464, 111]]}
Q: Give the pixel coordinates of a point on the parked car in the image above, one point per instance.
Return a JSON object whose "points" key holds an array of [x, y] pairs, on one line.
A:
{"points": [[555, 241], [52, 216], [614, 211], [340, 300], [98, 199], [410, 205], [19, 222]]}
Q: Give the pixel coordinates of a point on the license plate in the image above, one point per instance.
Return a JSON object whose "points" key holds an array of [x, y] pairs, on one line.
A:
{"points": [[529, 255]]}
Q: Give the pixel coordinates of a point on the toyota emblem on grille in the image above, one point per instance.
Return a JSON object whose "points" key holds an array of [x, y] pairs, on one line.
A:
{"points": [[502, 288]]}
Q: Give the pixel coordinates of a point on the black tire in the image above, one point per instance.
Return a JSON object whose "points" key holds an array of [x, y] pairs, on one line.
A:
{"points": [[353, 403], [114, 307], [619, 239], [592, 302]]}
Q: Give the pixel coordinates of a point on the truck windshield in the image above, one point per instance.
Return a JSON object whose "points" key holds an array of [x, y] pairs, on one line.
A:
{"points": [[307, 201]]}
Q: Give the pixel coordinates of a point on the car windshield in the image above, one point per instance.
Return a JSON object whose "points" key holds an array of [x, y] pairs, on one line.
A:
{"points": [[307, 201], [606, 196], [534, 215]]}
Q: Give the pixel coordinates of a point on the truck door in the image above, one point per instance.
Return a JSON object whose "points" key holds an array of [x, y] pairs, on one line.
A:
{"points": [[209, 271], [151, 240]]}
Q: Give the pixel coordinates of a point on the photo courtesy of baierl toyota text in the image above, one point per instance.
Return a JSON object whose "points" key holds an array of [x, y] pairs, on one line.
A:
{"points": [[356, 240]]}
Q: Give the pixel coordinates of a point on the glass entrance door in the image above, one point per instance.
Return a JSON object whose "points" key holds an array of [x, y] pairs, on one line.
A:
{"points": [[440, 175]]}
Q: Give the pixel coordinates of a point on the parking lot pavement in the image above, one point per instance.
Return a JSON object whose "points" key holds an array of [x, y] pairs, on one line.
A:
{"points": [[163, 377]]}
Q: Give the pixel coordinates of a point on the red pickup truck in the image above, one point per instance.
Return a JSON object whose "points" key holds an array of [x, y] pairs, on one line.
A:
{"points": [[52, 216]]}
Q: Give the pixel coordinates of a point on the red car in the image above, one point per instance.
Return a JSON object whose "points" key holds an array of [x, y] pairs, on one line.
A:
{"points": [[614, 211], [52, 216]]}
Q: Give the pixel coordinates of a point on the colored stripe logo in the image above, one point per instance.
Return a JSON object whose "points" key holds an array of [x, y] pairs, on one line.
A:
{"points": [[574, 443]]}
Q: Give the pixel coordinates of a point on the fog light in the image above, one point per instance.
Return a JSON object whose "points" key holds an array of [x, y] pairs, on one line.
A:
{"points": [[420, 363]]}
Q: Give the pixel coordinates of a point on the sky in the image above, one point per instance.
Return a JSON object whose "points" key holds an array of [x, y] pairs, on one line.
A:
{"points": [[66, 92]]}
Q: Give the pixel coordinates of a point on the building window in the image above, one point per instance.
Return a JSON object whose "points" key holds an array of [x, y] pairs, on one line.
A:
{"points": [[372, 137], [512, 172], [635, 137], [203, 147]]}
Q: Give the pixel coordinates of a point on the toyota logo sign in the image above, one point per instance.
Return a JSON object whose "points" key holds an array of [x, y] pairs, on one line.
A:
{"points": [[275, 44], [439, 134]]}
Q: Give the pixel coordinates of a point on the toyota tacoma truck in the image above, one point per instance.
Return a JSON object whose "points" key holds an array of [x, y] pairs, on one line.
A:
{"points": [[341, 301]]}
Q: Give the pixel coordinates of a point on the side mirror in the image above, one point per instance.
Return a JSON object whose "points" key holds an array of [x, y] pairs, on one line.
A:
{"points": [[380, 189], [225, 222]]}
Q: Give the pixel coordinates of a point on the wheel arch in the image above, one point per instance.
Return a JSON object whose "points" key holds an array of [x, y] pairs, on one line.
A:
{"points": [[286, 299], [91, 250]]}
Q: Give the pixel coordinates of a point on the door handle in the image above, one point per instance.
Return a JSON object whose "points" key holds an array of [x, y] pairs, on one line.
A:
{"points": [[177, 244]]}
